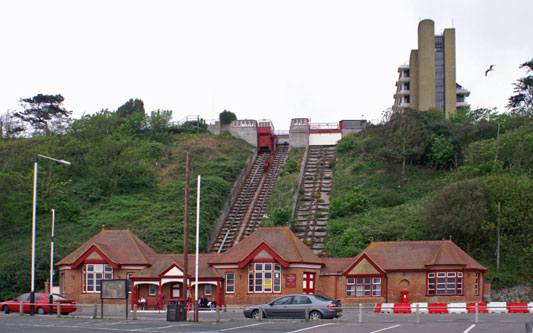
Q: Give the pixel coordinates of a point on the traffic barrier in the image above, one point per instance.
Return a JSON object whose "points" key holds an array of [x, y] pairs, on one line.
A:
{"points": [[517, 307], [530, 306], [481, 308], [422, 307], [402, 308], [387, 307], [438, 308], [457, 307], [497, 307], [377, 309]]}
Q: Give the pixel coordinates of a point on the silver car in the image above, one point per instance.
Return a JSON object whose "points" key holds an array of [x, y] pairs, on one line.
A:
{"points": [[294, 306]]}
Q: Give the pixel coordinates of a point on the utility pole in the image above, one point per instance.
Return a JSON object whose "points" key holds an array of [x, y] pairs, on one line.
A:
{"points": [[186, 233], [498, 241]]}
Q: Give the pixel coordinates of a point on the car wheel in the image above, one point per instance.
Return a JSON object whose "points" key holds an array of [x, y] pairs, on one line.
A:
{"points": [[314, 315], [255, 314], [64, 313], [40, 311], [6, 309]]}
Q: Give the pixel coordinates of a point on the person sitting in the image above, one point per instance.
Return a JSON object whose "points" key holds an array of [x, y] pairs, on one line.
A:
{"points": [[213, 304], [203, 302], [142, 303]]}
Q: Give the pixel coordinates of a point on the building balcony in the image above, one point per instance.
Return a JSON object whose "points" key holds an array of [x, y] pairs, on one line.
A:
{"points": [[403, 67], [462, 104], [462, 91], [403, 79]]}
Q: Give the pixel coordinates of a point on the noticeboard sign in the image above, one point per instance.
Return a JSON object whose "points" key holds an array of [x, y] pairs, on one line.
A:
{"points": [[290, 281], [114, 289]]}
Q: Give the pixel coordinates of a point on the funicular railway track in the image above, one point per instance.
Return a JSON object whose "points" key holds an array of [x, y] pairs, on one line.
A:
{"points": [[247, 211], [312, 208]]}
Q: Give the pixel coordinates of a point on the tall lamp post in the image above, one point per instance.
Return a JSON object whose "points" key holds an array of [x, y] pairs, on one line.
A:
{"points": [[35, 168], [51, 283]]}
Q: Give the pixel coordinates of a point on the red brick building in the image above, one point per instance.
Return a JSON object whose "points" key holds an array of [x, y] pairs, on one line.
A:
{"points": [[271, 262]]}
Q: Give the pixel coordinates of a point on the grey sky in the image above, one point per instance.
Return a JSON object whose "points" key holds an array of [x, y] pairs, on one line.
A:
{"points": [[325, 60]]}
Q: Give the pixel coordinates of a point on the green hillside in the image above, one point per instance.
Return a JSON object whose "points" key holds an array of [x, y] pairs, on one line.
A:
{"points": [[128, 171], [419, 176]]}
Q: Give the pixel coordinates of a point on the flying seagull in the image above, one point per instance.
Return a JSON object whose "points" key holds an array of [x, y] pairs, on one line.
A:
{"points": [[490, 69]]}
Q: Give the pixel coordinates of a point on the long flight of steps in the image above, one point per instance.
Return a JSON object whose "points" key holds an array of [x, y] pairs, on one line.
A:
{"points": [[248, 209], [312, 207]]}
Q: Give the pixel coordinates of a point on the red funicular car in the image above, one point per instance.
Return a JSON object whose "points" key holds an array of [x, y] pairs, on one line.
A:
{"points": [[42, 304]]}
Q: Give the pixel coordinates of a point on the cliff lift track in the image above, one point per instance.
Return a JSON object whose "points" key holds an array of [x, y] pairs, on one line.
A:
{"points": [[313, 204], [248, 209]]}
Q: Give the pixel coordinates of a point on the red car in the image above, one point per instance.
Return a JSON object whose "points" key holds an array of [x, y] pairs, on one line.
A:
{"points": [[42, 304]]}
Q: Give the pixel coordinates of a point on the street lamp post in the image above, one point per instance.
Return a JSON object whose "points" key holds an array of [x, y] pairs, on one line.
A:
{"points": [[35, 168], [51, 283]]}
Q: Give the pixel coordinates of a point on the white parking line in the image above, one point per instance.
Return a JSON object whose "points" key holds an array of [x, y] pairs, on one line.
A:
{"points": [[310, 328], [162, 327], [386, 328], [470, 328], [239, 327]]}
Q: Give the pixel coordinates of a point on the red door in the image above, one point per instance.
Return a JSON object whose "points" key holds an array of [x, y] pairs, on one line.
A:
{"points": [[308, 283]]}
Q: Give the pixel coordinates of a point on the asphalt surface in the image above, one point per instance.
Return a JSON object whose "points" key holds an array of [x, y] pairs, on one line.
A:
{"points": [[235, 322]]}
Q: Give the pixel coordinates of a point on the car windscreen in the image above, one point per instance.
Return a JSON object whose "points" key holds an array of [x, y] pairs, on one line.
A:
{"points": [[23, 297], [323, 298], [59, 297]]}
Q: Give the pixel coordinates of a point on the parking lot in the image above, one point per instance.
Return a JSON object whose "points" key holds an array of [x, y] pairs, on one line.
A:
{"points": [[234, 321]]}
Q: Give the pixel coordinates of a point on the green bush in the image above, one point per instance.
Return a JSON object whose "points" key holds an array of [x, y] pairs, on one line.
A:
{"points": [[348, 144], [290, 166], [351, 202], [281, 216]]}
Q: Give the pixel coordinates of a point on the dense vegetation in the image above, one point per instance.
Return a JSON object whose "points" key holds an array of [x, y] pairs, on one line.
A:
{"points": [[128, 171], [419, 176]]}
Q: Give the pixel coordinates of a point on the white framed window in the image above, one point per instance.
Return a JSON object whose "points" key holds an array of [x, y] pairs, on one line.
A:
{"points": [[152, 290], [476, 284], [447, 283], [93, 274], [264, 278], [230, 282], [208, 289], [363, 286]]}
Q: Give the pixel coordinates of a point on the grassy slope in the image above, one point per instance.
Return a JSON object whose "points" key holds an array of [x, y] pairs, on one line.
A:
{"points": [[394, 203], [154, 214]]}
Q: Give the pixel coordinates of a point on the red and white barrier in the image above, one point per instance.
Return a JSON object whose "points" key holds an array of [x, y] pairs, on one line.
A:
{"points": [[455, 307], [422, 307], [497, 307]]}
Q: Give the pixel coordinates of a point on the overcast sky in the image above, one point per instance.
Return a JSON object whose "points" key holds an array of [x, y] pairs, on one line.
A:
{"points": [[325, 60]]}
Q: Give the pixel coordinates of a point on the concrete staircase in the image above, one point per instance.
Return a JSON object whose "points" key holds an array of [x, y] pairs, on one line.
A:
{"points": [[312, 208]]}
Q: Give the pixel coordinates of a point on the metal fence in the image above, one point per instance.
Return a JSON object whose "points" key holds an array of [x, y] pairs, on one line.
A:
{"points": [[354, 313]]}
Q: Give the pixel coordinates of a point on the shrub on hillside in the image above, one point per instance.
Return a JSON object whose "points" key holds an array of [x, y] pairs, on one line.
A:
{"points": [[351, 202]]}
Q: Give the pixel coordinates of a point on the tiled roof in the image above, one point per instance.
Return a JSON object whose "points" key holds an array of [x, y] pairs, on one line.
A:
{"points": [[161, 263], [415, 255], [280, 239], [335, 265], [121, 246]]}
